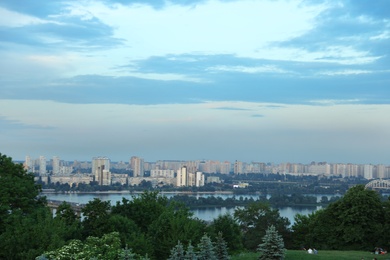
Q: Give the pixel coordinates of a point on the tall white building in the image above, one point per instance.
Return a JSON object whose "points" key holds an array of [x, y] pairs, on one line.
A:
{"points": [[381, 171], [101, 170], [199, 179], [42, 165], [368, 171], [56, 165], [137, 165], [182, 178]]}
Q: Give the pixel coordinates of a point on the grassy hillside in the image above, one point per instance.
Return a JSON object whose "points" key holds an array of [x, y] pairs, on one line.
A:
{"points": [[322, 255]]}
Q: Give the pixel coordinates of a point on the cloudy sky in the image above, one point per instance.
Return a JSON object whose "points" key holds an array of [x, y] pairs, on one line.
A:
{"points": [[250, 80]]}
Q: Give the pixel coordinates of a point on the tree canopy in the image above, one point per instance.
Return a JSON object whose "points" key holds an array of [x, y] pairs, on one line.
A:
{"points": [[356, 221]]}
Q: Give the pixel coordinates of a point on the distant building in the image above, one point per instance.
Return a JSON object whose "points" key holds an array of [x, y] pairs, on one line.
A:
{"points": [[56, 165], [182, 178], [368, 171], [28, 164], [162, 173], [42, 165], [137, 165], [238, 167], [71, 179], [101, 170], [199, 179], [319, 169], [213, 179]]}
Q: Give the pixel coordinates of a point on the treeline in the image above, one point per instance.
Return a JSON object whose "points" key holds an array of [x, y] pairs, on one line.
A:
{"points": [[276, 200], [150, 226]]}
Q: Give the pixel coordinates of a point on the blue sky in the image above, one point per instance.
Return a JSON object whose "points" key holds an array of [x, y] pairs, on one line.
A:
{"points": [[249, 80]]}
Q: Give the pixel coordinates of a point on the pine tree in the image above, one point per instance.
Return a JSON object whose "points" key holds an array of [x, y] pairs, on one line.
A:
{"points": [[190, 253], [177, 253], [206, 249], [127, 254], [221, 249], [272, 247]]}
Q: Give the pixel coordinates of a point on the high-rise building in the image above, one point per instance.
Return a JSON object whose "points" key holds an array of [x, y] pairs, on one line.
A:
{"points": [[182, 178], [137, 165], [368, 171], [380, 171], [238, 167], [225, 167], [101, 170], [199, 179], [28, 164], [42, 165], [56, 165]]}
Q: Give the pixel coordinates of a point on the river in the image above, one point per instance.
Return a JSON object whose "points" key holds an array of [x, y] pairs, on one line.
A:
{"points": [[207, 214]]}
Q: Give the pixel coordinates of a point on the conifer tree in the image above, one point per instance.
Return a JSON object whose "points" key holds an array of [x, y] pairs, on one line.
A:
{"points": [[190, 253], [206, 249], [177, 253], [221, 249], [127, 254], [272, 247]]}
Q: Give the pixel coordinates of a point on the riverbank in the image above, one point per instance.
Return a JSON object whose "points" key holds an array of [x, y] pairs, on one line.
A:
{"points": [[50, 191]]}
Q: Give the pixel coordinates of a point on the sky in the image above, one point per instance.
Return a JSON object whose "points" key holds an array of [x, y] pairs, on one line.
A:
{"points": [[248, 80]]}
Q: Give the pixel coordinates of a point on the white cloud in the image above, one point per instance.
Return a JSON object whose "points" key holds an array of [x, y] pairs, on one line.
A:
{"points": [[251, 70], [14, 19], [382, 36], [332, 102], [211, 27], [345, 72], [164, 77]]}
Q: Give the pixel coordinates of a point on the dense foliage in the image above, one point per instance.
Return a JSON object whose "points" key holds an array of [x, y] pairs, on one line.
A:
{"points": [[359, 220]]}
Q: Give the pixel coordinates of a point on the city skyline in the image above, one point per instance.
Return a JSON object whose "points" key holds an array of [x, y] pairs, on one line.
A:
{"points": [[273, 81], [130, 161], [103, 170]]}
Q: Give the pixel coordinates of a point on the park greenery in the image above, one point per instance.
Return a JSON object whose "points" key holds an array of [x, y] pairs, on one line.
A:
{"points": [[151, 226]]}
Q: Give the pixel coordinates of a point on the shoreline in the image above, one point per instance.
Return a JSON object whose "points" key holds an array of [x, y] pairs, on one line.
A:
{"points": [[134, 192]]}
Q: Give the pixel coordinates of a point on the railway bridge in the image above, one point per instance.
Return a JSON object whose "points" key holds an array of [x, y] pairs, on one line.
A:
{"points": [[378, 184]]}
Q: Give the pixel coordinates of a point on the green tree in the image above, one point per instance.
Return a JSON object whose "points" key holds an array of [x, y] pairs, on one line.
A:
{"points": [[174, 224], [143, 210], [27, 236], [190, 253], [354, 222], [221, 249], [96, 218], [385, 237], [206, 249], [18, 192], [272, 247], [130, 234], [360, 216], [301, 230], [231, 231], [254, 221], [177, 253], [26, 225], [66, 215]]}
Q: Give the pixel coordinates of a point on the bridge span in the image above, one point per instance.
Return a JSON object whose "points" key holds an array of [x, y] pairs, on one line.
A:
{"points": [[378, 184], [54, 204]]}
